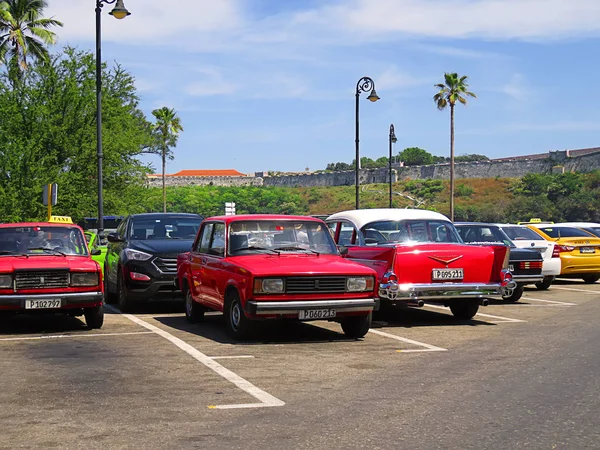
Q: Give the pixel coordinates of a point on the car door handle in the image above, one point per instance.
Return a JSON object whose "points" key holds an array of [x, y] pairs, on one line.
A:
{"points": [[204, 260]]}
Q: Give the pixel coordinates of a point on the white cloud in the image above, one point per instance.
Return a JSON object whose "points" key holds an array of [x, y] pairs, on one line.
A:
{"points": [[492, 19], [393, 79], [517, 89]]}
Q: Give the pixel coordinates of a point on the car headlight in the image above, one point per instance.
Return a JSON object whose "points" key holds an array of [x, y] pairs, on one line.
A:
{"points": [[359, 284], [85, 279], [5, 281], [268, 286], [137, 255]]}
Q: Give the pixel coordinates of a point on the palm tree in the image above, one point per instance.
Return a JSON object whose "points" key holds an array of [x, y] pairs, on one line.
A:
{"points": [[23, 32], [166, 132], [454, 89]]}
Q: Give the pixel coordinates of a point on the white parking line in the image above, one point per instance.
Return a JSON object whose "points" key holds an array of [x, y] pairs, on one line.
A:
{"points": [[428, 347], [61, 336], [553, 302], [265, 399], [501, 319], [231, 357], [587, 291]]}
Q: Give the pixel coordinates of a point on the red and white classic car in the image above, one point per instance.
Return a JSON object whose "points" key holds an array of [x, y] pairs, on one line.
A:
{"points": [[419, 257], [254, 267]]}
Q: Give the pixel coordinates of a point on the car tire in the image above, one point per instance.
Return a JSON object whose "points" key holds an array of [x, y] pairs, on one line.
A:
{"points": [[589, 279], [357, 326], [109, 297], [238, 325], [464, 310], [125, 304], [545, 283], [94, 317], [516, 294], [194, 312]]}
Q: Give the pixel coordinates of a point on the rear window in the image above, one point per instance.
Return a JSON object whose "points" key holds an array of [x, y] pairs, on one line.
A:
{"points": [[391, 231], [522, 234], [558, 232]]}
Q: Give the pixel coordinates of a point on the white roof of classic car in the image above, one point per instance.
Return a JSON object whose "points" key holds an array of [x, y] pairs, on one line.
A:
{"points": [[361, 217], [579, 224]]}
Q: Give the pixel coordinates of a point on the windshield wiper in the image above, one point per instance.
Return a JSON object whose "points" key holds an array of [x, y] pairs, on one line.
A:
{"points": [[49, 250], [253, 247], [293, 248], [9, 252]]}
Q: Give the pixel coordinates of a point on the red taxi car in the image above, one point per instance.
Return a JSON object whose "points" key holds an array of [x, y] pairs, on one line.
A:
{"points": [[420, 257], [254, 267], [46, 267]]}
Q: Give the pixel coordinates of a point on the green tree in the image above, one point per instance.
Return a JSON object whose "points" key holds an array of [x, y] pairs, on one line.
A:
{"points": [[24, 32], [415, 156], [166, 131], [48, 135], [454, 89]]}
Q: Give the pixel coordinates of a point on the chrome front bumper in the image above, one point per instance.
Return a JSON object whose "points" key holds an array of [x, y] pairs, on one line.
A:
{"points": [[260, 308], [413, 293], [528, 278]]}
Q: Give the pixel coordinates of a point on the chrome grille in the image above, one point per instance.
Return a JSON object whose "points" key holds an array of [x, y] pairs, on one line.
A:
{"points": [[166, 265], [306, 285], [42, 279]]}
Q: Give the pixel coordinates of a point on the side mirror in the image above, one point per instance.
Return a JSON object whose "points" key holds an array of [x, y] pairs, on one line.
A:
{"points": [[114, 237], [95, 252], [343, 250]]}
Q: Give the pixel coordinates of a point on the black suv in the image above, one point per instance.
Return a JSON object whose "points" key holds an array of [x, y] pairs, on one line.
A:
{"points": [[524, 264], [141, 260]]}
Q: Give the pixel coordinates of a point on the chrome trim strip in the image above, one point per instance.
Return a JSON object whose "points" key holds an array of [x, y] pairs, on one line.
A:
{"points": [[292, 307]]}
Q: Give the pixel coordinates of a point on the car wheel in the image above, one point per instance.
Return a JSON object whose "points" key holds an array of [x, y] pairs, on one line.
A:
{"points": [[464, 309], [545, 283], [125, 304], [238, 325], [94, 317], [357, 326], [194, 312], [589, 279], [109, 297], [516, 294]]}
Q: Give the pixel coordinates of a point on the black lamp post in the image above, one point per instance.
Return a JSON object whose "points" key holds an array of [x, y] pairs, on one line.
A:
{"points": [[364, 84], [119, 12], [393, 140]]}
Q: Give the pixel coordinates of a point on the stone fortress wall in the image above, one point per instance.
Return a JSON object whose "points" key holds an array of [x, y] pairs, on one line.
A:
{"points": [[584, 160]]}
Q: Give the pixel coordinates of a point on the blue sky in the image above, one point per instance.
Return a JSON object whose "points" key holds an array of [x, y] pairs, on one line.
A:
{"points": [[270, 84]]}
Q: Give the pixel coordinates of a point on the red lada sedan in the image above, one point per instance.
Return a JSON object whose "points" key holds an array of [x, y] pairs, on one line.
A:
{"points": [[254, 267]]}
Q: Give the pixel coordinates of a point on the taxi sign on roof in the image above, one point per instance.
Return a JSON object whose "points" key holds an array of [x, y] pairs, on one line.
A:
{"points": [[60, 219], [532, 221]]}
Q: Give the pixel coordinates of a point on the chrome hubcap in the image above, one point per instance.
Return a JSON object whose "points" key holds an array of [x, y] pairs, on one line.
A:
{"points": [[188, 304], [235, 315]]}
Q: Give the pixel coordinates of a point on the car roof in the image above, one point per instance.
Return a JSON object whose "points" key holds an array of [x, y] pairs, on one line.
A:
{"points": [[39, 224], [246, 217], [361, 217], [580, 224], [481, 224], [510, 225], [157, 215]]}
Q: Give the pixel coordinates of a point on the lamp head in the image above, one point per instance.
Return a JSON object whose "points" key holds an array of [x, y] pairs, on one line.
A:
{"points": [[373, 96], [393, 139], [119, 11]]}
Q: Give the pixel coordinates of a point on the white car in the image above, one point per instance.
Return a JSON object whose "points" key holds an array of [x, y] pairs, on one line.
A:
{"points": [[590, 227], [524, 237]]}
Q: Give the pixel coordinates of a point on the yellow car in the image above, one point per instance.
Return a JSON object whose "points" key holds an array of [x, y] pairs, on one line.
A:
{"points": [[579, 250]]}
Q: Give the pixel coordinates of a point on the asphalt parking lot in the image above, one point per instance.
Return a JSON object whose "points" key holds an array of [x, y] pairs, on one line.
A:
{"points": [[520, 375]]}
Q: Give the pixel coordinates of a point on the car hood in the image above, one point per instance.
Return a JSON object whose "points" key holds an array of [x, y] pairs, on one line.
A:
{"points": [[524, 254], [295, 264], [163, 247], [47, 262]]}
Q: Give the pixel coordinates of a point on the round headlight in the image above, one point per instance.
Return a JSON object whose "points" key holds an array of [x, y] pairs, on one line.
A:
{"points": [[356, 284]]}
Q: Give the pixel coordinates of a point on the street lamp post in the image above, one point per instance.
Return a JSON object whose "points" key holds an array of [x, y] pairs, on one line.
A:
{"points": [[392, 140], [364, 84], [119, 12]]}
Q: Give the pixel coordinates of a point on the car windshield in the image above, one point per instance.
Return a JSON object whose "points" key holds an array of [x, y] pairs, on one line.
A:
{"points": [[251, 236], [482, 234], [42, 240], [518, 233], [164, 228], [558, 232], [407, 231]]}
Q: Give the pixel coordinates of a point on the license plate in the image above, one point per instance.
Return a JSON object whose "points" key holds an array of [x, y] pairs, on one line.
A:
{"points": [[315, 314], [447, 274], [42, 304], [511, 268], [587, 250]]}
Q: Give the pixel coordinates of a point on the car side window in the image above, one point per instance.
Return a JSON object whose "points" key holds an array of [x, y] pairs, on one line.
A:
{"points": [[217, 243], [347, 234], [121, 228], [203, 243]]}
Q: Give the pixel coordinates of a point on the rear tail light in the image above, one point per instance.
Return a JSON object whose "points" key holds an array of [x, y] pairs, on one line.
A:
{"points": [[523, 265], [558, 249], [389, 277]]}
